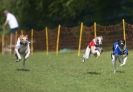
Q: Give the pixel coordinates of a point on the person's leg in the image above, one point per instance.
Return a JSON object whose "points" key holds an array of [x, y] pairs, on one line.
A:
{"points": [[13, 35], [13, 38]]}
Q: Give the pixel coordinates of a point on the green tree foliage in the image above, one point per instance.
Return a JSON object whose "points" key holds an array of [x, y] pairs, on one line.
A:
{"points": [[41, 13]]}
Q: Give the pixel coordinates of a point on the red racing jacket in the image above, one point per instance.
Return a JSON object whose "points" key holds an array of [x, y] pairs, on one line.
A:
{"points": [[92, 43]]}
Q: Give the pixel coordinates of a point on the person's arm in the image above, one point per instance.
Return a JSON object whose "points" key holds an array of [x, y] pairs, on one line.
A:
{"points": [[5, 23]]}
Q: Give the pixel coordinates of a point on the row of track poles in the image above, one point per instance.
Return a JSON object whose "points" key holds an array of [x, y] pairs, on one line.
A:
{"points": [[58, 38], [95, 34]]}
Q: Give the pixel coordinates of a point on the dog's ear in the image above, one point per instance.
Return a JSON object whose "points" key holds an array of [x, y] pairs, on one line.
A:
{"points": [[26, 36], [102, 37], [21, 36], [124, 41]]}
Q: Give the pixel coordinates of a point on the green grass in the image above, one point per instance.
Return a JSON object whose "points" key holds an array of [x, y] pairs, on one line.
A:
{"points": [[64, 73]]}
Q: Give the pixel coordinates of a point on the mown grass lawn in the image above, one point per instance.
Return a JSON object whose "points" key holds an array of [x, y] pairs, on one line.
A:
{"points": [[64, 73]]}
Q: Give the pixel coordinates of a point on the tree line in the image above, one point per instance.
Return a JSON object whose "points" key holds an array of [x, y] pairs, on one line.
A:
{"points": [[40, 13]]}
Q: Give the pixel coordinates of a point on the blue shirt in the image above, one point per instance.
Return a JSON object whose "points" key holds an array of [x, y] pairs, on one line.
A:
{"points": [[117, 50]]}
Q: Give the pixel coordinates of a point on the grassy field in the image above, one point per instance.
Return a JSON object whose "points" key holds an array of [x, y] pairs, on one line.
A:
{"points": [[64, 73]]}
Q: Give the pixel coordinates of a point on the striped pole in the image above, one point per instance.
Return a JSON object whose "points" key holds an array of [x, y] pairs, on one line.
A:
{"points": [[46, 33], [80, 38], [95, 34], [58, 39], [124, 31]]}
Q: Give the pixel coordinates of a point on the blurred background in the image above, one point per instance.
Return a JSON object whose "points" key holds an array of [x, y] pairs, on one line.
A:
{"points": [[40, 13]]}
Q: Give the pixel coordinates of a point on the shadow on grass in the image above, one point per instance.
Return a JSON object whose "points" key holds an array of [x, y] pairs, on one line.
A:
{"points": [[120, 71], [94, 73], [23, 69]]}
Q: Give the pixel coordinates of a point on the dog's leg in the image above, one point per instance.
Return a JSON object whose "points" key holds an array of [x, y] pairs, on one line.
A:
{"points": [[124, 61], [114, 63], [94, 51], [114, 67], [28, 52], [17, 60], [98, 54], [17, 54], [24, 63], [86, 54]]}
